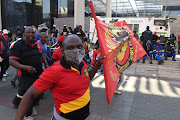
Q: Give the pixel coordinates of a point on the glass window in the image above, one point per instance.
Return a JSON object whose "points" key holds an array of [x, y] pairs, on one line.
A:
{"points": [[23, 1], [39, 2], [70, 7], [62, 7], [111, 21], [159, 22], [46, 8], [136, 27], [131, 26]]}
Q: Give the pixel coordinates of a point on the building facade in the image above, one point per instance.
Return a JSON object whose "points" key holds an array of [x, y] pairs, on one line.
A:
{"points": [[33, 12]]}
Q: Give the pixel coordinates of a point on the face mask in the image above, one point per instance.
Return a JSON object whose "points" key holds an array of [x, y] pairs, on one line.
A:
{"points": [[74, 56]]}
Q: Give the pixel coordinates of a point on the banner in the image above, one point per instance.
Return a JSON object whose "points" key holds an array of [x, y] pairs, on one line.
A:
{"points": [[121, 48]]}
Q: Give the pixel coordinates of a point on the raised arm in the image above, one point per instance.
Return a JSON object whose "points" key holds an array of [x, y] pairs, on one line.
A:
{"points": [[92, 71], [26, 101]]}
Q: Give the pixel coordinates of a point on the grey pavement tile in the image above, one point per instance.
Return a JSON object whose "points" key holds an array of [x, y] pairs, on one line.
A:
{"points": [[39, 117], [131, 105], [92, 117], [98, 117], [135, 118], [7, 113], [104, 118]]}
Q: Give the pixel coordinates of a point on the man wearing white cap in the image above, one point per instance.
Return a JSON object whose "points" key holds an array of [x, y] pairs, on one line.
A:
{"points": [[54, 33], [6, 41]]}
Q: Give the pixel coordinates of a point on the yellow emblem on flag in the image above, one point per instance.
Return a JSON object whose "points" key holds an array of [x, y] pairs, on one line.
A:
{"points": [[124, 56]]}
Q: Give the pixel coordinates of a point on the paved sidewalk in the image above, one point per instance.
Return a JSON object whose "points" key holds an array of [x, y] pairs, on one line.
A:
{"points": [[143, 98]]}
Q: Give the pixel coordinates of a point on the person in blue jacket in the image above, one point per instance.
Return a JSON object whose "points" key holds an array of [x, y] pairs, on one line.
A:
{"points": [[169, 51], [157, 52], [149, 51]]}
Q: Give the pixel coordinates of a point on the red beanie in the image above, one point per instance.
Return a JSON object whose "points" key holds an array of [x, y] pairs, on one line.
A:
{"points": [[60, 39], [158, 41]]}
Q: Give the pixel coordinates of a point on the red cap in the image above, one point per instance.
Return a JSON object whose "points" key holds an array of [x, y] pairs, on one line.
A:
{"points": [[158, 41], [60, 39]]}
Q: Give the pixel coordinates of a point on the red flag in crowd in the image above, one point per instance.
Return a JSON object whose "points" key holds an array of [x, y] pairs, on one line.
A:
{"points": [[121, 48]]}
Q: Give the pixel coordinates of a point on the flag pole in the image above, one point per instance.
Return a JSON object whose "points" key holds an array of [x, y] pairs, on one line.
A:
{"points": [[148, 57]]}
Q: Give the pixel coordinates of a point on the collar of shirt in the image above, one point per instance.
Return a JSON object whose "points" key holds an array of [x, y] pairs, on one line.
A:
{"points": [[29, 43], [67, 66]]}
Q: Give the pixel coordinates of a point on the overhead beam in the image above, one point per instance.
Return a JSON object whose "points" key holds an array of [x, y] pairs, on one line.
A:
{"points": [[164, 2], [133, 5]]}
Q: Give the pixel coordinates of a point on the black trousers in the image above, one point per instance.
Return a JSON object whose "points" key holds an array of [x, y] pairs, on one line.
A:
{"points": [[6, 63], [15, 77], [25, 83], [18, 97], [2, 64]]}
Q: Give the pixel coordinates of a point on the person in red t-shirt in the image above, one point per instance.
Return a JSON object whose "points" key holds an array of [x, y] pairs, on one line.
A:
{"points": [[2, 48], [95, 53], [1, 44], [68, 81], [57, 54], [179, 44]]}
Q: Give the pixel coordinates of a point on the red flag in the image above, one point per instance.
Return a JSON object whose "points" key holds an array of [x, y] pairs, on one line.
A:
{"points": [[121, 48]]}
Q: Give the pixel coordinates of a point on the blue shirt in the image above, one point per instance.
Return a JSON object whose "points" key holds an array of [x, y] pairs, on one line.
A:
{"points": [[37, 37], [43, 47]]}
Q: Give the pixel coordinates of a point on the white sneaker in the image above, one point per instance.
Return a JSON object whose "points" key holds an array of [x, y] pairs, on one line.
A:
{"points": [[117, 92], [4, 75], [34, 112], [4, 80], [28, 118]]}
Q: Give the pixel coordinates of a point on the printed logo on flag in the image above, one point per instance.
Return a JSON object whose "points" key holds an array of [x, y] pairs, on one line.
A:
{"points": [[123, 56], [119, 34]]}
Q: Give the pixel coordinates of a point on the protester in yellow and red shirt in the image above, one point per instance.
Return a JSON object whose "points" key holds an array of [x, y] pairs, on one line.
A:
{"points": [[95, 53], [68, 81]]}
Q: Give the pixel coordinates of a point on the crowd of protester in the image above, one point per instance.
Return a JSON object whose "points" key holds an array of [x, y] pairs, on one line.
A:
{"points": [[154, 46], [34, 50]]}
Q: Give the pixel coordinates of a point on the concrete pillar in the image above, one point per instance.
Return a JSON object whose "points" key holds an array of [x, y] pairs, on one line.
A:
{"points": [[0, 16], [79, 8], [109, 8]]}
